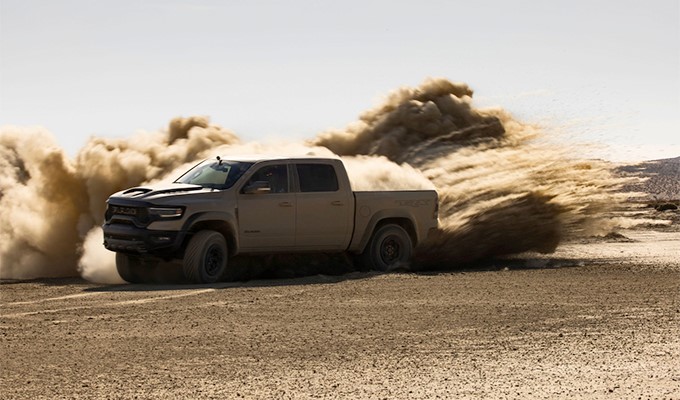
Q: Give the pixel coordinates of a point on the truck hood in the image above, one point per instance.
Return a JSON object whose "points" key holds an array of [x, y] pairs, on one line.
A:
{"points": [[159, 190]]}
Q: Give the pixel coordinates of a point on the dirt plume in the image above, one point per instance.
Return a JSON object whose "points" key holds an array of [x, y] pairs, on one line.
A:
{"points": [[501, 189]]}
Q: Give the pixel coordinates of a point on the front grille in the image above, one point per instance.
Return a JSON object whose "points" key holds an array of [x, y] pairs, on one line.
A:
{"points": [[139, 215], [133, 211]]}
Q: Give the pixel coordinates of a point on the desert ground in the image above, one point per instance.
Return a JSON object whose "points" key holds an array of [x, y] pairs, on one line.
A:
{"points": [[600, 318]]}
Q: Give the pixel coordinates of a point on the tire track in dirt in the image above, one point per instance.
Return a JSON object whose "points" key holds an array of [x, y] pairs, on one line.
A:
{"points": [[98, 304], [193, 290]]}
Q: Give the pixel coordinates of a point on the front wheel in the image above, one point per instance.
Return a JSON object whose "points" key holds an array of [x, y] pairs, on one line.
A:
{"points": [[389, 248], [132, 269], [205, 258]]}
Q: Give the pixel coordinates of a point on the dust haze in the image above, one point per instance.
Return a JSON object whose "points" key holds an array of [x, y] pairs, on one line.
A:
{"points": [[501, 190]]}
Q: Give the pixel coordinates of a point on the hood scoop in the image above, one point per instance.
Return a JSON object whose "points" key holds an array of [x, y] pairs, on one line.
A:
{"points": [[144, 191]]}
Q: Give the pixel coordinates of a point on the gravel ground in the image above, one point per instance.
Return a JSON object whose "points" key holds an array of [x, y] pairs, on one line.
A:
{"points": [[595, 320]]}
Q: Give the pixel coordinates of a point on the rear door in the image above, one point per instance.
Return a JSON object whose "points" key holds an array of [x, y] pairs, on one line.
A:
{"points": [[325, 208], [266, 210]]}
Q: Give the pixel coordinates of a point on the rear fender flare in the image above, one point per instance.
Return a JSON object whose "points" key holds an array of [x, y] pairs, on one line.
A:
{"points": [[398, 217]]}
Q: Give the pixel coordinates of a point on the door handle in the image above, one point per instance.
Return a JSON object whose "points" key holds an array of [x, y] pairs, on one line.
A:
{"points": [[285, 204], [337, 203]]}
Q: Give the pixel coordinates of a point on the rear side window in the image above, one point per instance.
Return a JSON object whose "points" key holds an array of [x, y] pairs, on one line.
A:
{"points": [[317, 178]]}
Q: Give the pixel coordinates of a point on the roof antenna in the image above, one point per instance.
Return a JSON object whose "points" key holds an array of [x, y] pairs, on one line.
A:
{"points": [[220, 160]]}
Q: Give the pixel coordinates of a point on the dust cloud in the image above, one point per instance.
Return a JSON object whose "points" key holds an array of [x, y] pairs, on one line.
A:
{"points": [[502, 191], [49, 203]]}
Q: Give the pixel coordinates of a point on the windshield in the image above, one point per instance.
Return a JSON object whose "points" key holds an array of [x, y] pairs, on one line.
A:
{"points": [[215, 174]]}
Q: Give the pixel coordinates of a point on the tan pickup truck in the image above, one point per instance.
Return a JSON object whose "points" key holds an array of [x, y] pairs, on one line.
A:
{"points": [[221, 208]]}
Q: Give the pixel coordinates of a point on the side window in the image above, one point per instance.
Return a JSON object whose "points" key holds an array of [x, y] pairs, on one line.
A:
{"points": [[272, 179], [317, 178]]}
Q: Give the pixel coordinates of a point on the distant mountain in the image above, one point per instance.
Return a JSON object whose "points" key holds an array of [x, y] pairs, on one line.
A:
{"points": [[663, 181]]}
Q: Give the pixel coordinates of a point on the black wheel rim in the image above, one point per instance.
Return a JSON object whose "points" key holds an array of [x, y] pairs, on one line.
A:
{"points": [[390, 249], [214, 258]]}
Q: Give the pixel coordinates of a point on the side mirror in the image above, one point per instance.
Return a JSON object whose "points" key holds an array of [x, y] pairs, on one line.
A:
{"points": [[257, 187]]}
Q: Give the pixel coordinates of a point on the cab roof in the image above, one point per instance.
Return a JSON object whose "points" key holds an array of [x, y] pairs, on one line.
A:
{"points": [[255, 158]]}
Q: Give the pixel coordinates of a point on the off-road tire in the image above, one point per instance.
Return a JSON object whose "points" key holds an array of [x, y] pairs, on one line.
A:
{"points": [[390, 247], [130, 268], [205, 258]]}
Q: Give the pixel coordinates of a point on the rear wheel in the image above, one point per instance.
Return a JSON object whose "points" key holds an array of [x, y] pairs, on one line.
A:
{"points": [[389, 248], [205, 258]]}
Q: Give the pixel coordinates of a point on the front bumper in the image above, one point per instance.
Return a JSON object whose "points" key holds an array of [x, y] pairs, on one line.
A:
{"points": [[134, 240]]}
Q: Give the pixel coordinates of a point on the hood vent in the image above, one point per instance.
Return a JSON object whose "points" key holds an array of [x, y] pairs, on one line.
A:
{"points": [[137, 191]]}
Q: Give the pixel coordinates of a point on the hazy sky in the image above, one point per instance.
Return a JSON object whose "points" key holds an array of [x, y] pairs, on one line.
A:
{"points": [[603, 71]]}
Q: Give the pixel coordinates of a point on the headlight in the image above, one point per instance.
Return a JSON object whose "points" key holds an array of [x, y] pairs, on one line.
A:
{"points": [[166, 212]]}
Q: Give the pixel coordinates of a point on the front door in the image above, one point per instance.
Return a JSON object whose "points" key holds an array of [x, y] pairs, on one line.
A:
{"points": [[266, 211]]}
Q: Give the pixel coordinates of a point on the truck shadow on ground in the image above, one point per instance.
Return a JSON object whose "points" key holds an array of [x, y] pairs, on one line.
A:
{"points": [[292, 271], [256, 283]]}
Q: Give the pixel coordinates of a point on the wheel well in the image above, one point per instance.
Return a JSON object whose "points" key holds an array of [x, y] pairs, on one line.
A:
{"points": [[405, 223], [218, 226]]}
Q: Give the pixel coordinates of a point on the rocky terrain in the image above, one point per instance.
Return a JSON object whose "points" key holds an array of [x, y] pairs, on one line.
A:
{"points": [[661, 178]]}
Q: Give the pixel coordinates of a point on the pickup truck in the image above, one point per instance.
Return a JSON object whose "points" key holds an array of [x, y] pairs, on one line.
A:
{"points": [[222, 208]]}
